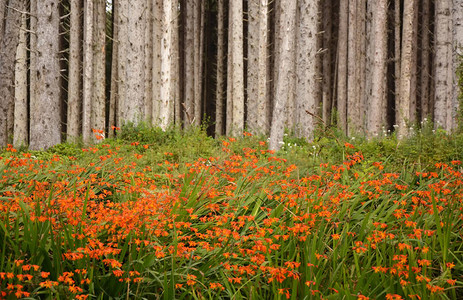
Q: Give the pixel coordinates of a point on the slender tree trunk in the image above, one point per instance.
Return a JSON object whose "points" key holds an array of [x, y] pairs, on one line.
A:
{"points": [[7, 66], [263, 100], [457, 58], [353, 101], [198, 58], [425, 61], [157, 37], [403, 111], [45, 130], [189, 63], [88, 72], [236, 88], [442, 64], [113, 97], [327, 83], [74, 81], [134, 103], [99, 71], [229, 97], [397, 55], [20, 87], [342, 66], [149, 44], [361, 59], [252, 66], [306, 71], [376, 112], [219, 108], [3, 5], [287, 48], [33, 102]]}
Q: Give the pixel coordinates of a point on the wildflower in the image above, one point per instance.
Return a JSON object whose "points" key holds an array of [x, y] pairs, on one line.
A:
{"points": [[451, 281], [393, 297]]}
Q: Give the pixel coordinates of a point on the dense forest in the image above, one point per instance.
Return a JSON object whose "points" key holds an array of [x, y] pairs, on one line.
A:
{"points": [[78, 69]]}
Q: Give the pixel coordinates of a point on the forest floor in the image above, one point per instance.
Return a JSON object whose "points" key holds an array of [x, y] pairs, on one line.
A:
{"points": [[177, 214]]}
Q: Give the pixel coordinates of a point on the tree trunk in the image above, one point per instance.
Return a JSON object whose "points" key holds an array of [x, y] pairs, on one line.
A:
{"points": [[189, 79], [157, 37], [342, 66], [45, 129], [252, 65], [74, 81], [286, 63], [99, 62], [376, 113], [306, 71], [219, 103], [353, 102], [113, 97], [457, 58], [425, 61], [88, 79], [134, 103], [7, 65], [327, 84], [263, 100], [20, 88], [403, 111], [198, 58], [236, 88], [443, 82], [149, 44]]}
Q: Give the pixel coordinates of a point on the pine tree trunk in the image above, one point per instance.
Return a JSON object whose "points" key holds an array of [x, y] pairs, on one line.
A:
{"points": [[20, 87], [403, 111], [306, 71], [7, 66], [457, 59], [189, 79], [263, 100], [219, 108], [353, 103], [88, 73], [236, 88], [342, 66], [134, 103], [286, 62], [252, 65], [45, 126], [376, 112], [327, 82], [74, 81], [99, 71], [149, 44], [113, 97], [157, 37], [425, 61]]}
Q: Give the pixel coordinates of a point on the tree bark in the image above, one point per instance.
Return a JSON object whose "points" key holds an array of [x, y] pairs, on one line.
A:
{"points": [[263, 100], [74, 82], [149, 44], [286, 63], [99, 75], [342, 66], [113, 97], [8, 47], [443, 82], [20, 87], [376, 112], [327, 82], [88, 72], [157, 37], [219, 108], [252, 65], [189, 79], [403, 111], [457, 59], [306, 71], [45, 128], [425, 61]]}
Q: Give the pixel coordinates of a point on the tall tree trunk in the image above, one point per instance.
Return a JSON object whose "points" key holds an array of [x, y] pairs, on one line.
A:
{"points": [[219, 102], [45, 130], [166, 111], [403, 111], [376, 113], [149, 44], [397, 55], [342, 65], [74, 81], [443, 82], [263, 100], [287, 48], [7, 65], [157, 36], [113, 97], [99, 62], [327, 84], [457, 57], [20, 89], [198, 58], [88, 72], [306, 71], [236, 88], [133, 106], [189, 79], [425, 60], [252, 65], [3, 5], [353, 101]]}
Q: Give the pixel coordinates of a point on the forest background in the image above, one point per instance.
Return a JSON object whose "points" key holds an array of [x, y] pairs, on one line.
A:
{"points": [[73, 68]]}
